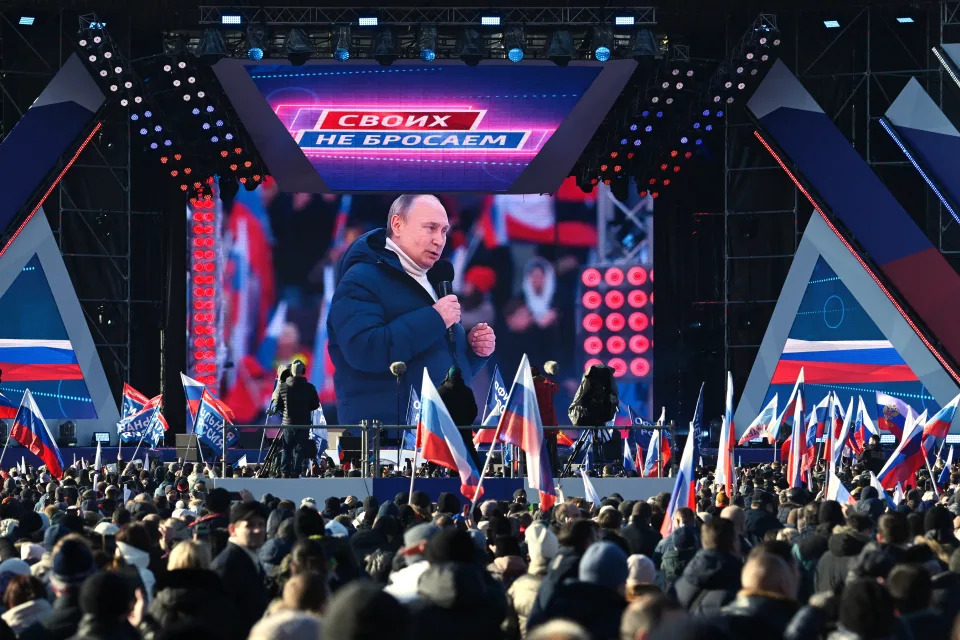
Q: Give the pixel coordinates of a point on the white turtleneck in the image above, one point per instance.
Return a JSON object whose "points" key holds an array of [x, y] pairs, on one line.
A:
{"points": [[413, 270]]}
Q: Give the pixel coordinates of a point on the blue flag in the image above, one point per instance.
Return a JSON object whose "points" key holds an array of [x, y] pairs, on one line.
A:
{"points": [[413, 417], [628, 462], [496, 399], [210, 423], [944, 478], [319, 434]]}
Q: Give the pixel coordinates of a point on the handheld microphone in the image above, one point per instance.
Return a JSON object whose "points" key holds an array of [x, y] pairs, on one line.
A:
{"points": [[441, 276]]}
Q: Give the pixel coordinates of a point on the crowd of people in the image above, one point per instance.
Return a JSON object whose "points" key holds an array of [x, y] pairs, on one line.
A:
{"points": [[161, 554]]}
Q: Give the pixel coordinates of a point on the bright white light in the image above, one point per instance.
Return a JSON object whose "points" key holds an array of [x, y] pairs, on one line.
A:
{"points": [[490, 21], [831, 24], [27, 21], [231, 19], [368, 21], [903, 20], [624, 21]]}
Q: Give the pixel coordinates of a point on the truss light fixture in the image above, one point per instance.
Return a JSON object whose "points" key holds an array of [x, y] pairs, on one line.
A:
{"points": [[427, 42], [26, 21], [231, 18], [256, 39], [644, 44], [624, 21], [831, 24], [298, 46], [904, 19], [602, 43], [343, 43], [368, 21], [384, 47], [211, 46], [514, 43], [490, 20], [560, 50], [468, 47]]}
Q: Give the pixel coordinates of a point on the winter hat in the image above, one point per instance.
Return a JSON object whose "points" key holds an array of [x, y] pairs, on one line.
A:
{"points": [[31, 552], [640, 570], [866, 609], [388, 509], [363, 611], [831, 513], [246, 510], [53, 535], [488, 508], [310, 503], [420, 499], [13, 567], [479, 538], [10, 528], [542, 544], [371, 505], [604, 564], [308, 523], [71, 564], [107, 595], [419, 534], [106, 529], [937, 518], [336, 530], [451, 545], [30, 523], [448, 503]]}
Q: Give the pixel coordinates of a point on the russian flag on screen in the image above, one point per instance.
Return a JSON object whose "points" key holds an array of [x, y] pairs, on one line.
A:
{"points": [[842, 362], [8, 410], [28, 359], [441, 442], [30, 430], [684, 492], [520, 425]]}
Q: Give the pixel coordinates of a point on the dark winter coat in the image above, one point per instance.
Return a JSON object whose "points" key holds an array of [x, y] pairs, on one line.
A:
{"points": [[458, 600], [681, 548], [710, 581], [843, 547], [641, 538], [243, 584], [380, 315], [565, 566], [758, 617], [195, 597], [756, 523], [62, 623], [95, 628], [596, 608], [297, 399]]}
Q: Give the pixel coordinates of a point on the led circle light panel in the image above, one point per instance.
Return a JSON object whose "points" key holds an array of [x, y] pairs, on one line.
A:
{"points": [[615, 320]]}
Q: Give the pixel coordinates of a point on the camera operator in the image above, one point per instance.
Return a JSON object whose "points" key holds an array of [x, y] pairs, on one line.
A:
{"points": [[295, 400]]}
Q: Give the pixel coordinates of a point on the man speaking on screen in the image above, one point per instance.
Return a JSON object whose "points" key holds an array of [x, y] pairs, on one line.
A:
{"points": [[387, 308]]}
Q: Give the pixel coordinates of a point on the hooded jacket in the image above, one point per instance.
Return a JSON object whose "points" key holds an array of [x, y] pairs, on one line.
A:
{"points": [[195, 597], [758, 616], [23, 616], [380, 315], [843, 547], [141, 560], [461, 597], [710, 581]]}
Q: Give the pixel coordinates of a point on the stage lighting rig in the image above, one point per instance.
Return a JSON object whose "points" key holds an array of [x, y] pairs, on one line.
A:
{"points": [[343, 43], [298, 46], [256, 41], [211, 47], [560, 49], [514, 42], [427, 42], [602, 43], [469, 47], [383, 47]]}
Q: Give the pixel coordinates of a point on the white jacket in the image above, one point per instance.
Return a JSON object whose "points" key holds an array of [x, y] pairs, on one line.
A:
{"points": [[141, 560]]}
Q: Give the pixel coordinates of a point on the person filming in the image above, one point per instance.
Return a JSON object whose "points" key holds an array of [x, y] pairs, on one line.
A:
{"points": [[295, 400]]}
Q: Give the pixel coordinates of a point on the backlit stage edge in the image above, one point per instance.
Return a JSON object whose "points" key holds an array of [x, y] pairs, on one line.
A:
{"points": [[356, 126], [384, 489]]}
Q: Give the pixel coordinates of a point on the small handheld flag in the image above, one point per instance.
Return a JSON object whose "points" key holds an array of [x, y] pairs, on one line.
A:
{"points": [[944, 478], [211, 420], [724, 473], [684, 493], [589, 492], [413, 418], [763, 425], [628, 463]]}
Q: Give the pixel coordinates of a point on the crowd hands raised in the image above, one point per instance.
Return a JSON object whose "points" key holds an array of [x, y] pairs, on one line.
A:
{"points": [[159, 554]]}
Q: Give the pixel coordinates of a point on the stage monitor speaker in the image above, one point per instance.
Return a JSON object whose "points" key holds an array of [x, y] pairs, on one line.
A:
{"points": [[187, 447]]}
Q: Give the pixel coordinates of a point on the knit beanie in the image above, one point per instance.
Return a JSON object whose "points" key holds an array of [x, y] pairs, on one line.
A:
{"points": [[604, 564]]}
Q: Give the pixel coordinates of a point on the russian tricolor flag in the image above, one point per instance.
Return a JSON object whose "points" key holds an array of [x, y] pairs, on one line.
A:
{"points": [[440, 441], [520, 425], [193, 391], [906, 459], [684, 492], [838, 443], [939, 425], [628, 462], [724, 473], [30, 430], [797, 443], [891, 414], [863, 428]]}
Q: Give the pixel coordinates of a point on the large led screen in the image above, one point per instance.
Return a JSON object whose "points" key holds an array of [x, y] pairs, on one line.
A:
{"points": [[436, 127]]}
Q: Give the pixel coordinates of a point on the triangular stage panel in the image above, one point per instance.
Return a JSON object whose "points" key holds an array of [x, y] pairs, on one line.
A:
{"points": [[833, 319], [45, 343]]}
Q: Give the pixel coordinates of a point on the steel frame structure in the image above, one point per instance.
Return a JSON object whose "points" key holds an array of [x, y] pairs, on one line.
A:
{"points": [[411, 16], [869, 89]]}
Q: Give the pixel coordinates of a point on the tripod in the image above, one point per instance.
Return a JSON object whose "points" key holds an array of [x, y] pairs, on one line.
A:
{"points": [[577, 448], [271, 460]]}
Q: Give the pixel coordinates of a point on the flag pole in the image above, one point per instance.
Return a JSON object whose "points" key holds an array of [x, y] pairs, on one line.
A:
{"points": [[933, 480], [413, 468], [142, 434], [486, 465], [5, 443]]}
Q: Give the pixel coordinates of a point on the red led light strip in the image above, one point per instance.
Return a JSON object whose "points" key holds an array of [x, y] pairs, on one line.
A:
{"points": [[863, 264], [53, 186], [202, 313]]}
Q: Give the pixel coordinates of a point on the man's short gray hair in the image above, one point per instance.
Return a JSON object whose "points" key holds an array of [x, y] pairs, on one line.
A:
{"points": [[402, 205]]}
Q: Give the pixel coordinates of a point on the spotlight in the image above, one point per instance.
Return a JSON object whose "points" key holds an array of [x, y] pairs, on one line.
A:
{"points": [[831, 24], [901, 20], [427, 42], [383, 47], [368, 21], [561, 49], [256, 37], [27, 21], [231, 18], [624, 21], [644, 44], [298, 47], [342, 43], [514, 42], [602, 43], [490, 21], [468, 46], [211, 47]]}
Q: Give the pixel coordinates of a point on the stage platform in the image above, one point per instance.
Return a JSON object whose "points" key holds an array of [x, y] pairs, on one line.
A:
{"points": [[386, 488]]}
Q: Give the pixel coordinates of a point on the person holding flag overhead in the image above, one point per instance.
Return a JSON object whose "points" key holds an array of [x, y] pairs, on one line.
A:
{"points": [[30, 429], [684, 487]]}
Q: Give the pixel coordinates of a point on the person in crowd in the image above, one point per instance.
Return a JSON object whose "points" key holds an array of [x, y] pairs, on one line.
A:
{"points": [[766, 602], [575, 537], [712, 579], [542, 547], [843, 547], [641, 537], [642, 617], [760, 517], [112, 606], [27, 606], [238, 565], [71, 562]]}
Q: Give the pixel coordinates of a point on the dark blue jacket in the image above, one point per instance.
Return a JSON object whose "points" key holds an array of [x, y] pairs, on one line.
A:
{"points": [[380, 315]]}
